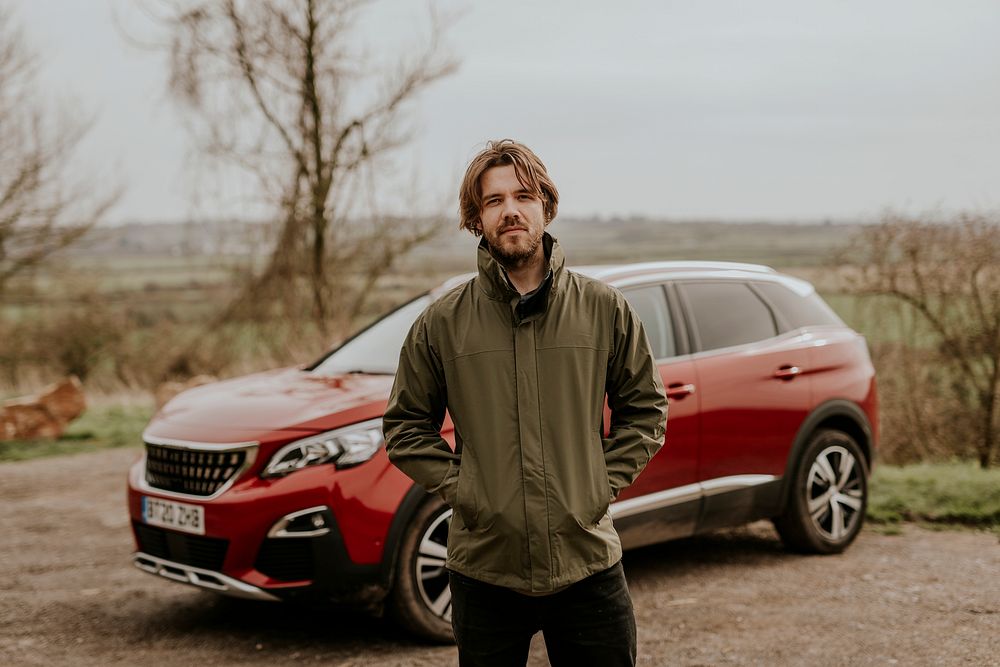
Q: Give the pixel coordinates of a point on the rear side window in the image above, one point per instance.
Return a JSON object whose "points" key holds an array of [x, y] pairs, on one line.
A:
{"points": [[727, 313], [798, 310], [650, 305]]}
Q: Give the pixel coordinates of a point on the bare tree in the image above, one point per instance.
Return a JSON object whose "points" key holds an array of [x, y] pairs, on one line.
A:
{"points": [[282, 90], [45, 206], [948, 272]]}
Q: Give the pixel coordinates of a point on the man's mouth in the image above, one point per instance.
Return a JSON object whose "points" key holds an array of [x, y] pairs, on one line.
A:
{"points": [[513, 229]]}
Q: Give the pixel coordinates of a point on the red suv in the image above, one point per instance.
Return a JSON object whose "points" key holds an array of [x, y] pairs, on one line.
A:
{"points": [[276, 486]]}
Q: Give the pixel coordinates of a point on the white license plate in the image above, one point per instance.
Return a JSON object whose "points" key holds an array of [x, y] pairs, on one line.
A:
{"points": [[179, 516]]}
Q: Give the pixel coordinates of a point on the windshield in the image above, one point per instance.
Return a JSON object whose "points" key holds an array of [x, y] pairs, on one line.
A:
{"points": [[376, 349]]}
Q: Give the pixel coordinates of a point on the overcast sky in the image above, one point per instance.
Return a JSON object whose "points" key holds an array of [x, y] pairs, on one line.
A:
{"points": [[771, 109]]}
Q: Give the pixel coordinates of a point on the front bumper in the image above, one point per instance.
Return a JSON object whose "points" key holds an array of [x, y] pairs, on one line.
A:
{"points": [[312, 566], [256, 547]]}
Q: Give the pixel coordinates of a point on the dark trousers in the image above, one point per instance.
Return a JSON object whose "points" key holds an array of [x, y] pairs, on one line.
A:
{"points": [[589, 623]]}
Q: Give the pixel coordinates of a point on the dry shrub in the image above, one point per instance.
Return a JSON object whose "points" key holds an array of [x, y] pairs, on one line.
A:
{"points": [[943, 277], [920, 417], [82, 341], [112, 353]]}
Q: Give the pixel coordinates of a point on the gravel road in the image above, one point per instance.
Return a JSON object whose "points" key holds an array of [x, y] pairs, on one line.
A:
{"points": [[71, 597]]}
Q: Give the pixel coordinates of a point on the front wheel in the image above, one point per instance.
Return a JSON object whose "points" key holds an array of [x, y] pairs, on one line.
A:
{"points": [[828, 495], [420, 600]]}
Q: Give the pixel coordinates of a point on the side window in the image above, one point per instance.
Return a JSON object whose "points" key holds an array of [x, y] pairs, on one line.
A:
{"points": [[650, 305], [798, 310], [727, 313]]}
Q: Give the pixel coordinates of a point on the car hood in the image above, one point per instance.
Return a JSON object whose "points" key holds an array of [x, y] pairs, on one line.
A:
{"points": [[290, 399]]}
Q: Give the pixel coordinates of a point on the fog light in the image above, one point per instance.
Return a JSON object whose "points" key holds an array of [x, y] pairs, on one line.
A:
{"points": [[304, 523]]}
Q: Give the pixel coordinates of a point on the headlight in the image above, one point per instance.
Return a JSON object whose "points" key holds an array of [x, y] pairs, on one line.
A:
{"points": [[344, 447]]}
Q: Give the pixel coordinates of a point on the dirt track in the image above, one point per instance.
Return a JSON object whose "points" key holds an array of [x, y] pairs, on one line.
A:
{"points": [[70, 595]]}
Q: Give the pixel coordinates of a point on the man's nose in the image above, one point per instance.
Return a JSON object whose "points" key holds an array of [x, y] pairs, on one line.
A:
{"points": [[510, 208]]}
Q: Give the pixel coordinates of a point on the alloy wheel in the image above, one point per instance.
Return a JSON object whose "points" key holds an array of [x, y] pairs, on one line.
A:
{"points": [[431, 575], [834, 492]]}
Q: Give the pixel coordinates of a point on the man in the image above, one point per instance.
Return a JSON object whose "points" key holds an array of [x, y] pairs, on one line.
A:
{"points": [[521, 357]]}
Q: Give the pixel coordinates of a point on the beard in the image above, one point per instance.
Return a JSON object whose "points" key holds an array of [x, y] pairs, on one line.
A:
{"points": [[517, 251]]}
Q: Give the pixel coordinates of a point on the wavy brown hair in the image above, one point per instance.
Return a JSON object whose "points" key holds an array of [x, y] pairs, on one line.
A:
{"points": [[530, 171]]}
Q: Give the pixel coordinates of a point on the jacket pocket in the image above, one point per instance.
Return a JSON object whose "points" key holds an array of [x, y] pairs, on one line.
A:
{"points": [[465, 497], [602, 485]]}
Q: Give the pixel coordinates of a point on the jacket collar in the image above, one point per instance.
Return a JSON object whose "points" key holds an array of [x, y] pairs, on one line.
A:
{"points": [[496, 285]]}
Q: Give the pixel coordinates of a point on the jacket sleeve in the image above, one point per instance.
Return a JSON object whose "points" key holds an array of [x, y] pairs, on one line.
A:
{"points": [[637, 401], [413, 418]]}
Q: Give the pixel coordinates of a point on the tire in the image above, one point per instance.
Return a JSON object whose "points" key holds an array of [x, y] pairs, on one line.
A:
{"points": [[420, 600], [826, 502]]}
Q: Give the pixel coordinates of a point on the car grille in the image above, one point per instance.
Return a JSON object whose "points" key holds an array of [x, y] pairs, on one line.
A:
{"points": [[287, 559], [194, 472], [207, 553]]}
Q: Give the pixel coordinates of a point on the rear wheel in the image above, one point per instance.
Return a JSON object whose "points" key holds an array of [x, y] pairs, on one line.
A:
{"points": [[420, 601], [828, 497]]}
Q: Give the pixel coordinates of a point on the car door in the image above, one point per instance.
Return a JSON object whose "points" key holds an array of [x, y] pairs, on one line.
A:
{"points": [[752, 383], [663, 501]]}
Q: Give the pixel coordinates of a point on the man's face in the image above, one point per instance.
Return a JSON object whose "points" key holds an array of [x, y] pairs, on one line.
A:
{"points": [[513, 218]]}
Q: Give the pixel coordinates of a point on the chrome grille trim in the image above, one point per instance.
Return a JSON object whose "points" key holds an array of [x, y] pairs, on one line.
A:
{"points": [[191, 468], [213, 581]]}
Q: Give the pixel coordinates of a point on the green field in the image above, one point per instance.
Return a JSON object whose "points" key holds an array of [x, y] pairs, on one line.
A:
{"points": [[187, 286], [120, 318], [120, 313]]}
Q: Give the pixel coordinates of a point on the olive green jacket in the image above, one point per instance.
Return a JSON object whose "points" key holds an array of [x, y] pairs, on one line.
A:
{"points": [[531, 476]]}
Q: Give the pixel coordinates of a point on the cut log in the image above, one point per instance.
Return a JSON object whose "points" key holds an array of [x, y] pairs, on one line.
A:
{"points": [[44, 414]]}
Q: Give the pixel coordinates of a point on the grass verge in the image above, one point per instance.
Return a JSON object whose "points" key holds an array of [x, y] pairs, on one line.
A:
{"points": [[100, 427], [935, 493]]}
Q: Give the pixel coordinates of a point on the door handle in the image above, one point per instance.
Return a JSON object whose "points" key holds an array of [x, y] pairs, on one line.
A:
{"points": [[787, 372], [679, 390]]}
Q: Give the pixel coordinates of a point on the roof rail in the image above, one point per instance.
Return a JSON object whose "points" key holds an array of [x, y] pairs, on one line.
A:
{"points": [[610, 271], [614, 271], [698, 265]]}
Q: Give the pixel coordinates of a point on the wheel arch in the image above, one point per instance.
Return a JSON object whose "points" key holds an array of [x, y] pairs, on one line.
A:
{"points": [[408, 507], [839, 414]]}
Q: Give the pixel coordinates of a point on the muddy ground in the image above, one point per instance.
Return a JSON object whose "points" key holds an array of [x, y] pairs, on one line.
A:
{"points": [[71, 597]]}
